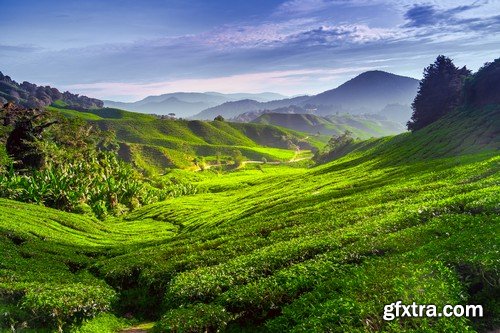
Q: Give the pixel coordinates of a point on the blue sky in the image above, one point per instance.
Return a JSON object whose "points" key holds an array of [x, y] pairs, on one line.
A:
{"points": [[126, 50]]}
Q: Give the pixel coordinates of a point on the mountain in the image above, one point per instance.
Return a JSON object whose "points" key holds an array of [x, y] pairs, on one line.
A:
{"points": [[397, 112], [233, 109], [186, 104], [32, 96], [368, 92], [252, 115], [362, 126], [172, 104]]}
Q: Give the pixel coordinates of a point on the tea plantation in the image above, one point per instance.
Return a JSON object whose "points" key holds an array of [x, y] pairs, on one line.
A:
{"points": [[152, 144], [279, 248]]}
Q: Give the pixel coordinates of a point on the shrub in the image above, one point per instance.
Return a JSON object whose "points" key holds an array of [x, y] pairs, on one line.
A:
{"points": [[196, 318]]}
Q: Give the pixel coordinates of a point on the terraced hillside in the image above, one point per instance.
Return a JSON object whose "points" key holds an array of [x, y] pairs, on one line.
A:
{"points": [[154, 144], [414, 217], [361, 126]]}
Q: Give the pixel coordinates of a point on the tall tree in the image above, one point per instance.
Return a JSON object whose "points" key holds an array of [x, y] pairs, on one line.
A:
{"points": [[439, 92]]}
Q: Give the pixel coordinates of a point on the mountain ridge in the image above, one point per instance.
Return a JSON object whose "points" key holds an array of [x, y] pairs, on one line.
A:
{"points": [[368, 92], [188, 103]]}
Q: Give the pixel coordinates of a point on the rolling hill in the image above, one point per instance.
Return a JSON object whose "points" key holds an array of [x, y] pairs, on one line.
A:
{"points": [[412, 217], [361, 126], [233, 109], [291, 247], [153, 144]]}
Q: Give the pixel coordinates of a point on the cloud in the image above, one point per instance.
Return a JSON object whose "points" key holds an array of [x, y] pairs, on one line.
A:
{"points": [[288, 81], [341, 34], [430, 15], [302, 7], [25, 48]]}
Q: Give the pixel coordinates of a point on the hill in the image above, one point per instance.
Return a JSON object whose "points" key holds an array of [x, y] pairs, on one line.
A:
{"points": [[33, 96], [153, 144], [397, 112], [186, 104], [362, 126], [233, 109]]}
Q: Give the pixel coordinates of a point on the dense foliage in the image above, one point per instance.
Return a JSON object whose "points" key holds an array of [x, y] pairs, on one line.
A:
{"points": [[480, 89], [439, 93], [33, 96], [337, 146], [69, 165]]}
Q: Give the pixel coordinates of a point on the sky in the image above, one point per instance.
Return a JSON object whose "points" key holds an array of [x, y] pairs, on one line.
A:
{"points": [[126, 50]]}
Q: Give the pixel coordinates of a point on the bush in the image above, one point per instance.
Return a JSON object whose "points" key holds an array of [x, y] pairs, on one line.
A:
{"points": [[196, 318], [337, 146], [65, 303], [102, 323]]}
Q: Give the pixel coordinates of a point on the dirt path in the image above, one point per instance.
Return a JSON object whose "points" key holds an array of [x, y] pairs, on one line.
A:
{"points": [[292, 160]]}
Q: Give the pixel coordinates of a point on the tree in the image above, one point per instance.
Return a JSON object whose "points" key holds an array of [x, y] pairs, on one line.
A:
{"points": [[439, 92], [219, 118], [27, 128], [237, 157], [337, 146]]}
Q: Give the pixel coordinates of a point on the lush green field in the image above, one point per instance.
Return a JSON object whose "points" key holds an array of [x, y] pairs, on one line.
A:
{"points": [[153, 144], [278, 248]]}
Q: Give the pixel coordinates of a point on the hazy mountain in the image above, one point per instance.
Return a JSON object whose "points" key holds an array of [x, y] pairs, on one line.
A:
{"points": [[368, 92], [185, 104], [233, 109], [252, 115], [397, 112], [363, 126]]}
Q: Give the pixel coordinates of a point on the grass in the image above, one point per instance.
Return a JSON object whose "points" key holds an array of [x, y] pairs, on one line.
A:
{"points": [[153, 145], [414, 217]]}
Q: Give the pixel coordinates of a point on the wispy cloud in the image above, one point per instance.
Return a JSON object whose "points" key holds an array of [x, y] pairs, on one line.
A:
{"points": [[302, 7], [425, 15], [23, 48], [289, 80]]}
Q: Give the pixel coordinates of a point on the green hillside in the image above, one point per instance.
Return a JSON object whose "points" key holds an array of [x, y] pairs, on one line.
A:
{"points": [[153, 144], [361, 126], [413, 217]]}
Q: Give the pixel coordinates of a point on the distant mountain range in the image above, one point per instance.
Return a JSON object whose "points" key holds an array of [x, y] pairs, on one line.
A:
{"points": [[373, 92], [362, 126], [233, 109], [368, 93], [186, 104]]}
